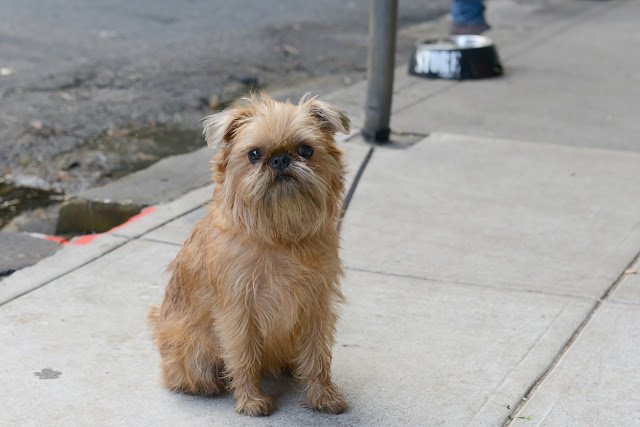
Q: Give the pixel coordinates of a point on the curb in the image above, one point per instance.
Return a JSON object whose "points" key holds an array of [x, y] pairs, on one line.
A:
{"points": [[87, 248]]}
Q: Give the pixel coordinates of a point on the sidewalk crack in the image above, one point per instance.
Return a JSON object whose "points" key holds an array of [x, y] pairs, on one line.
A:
{"points": [[533, 346], [576, 334]]}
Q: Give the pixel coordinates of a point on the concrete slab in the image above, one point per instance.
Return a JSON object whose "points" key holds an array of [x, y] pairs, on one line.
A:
{"points": [[89, 327], [178, 230], [70, 257], [166, 212], [408, 351], [596, 381], [161, 182], [628, 289], [542, 98], [497, 213], [415, 352]]}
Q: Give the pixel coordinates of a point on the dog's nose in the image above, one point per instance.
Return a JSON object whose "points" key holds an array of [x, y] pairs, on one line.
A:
{"points": [[280, 162]]}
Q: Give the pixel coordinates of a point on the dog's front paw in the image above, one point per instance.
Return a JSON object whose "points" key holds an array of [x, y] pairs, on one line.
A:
{"points": [[327, 400], [255, 407]]}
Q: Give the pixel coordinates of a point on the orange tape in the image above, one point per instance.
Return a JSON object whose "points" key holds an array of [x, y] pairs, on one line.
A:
{"points": [[88, 238], [56, 238], [142, 213]]}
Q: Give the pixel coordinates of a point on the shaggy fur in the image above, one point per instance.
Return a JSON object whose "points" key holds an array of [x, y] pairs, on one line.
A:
{"points": [[255, 285]]}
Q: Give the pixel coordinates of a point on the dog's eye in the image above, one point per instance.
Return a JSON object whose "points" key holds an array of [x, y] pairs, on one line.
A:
{"points": [[305, 150], [254, 155]]}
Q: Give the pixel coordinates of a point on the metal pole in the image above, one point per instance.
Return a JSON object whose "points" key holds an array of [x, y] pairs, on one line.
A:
{"points": [[383, 16]]}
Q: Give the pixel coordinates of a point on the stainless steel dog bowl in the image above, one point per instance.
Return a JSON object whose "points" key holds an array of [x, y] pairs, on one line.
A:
{"points": [[455, 57]]}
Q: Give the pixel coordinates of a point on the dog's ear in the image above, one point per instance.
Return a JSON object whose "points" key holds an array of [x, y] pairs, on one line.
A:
{"points": [[220, 128], [331, 119]]}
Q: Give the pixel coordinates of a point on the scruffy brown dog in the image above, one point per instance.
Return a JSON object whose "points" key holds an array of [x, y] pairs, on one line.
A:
{"points": [[255, 285]]}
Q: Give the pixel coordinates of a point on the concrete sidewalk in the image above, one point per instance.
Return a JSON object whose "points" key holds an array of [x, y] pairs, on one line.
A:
{"points": [[491, 266]]}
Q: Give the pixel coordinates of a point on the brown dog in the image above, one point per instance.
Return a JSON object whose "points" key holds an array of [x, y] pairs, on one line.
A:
{"points": [[255, 285]]}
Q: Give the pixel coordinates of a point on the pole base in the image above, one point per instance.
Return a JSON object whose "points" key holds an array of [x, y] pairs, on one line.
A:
{"points": [[376, 135]]}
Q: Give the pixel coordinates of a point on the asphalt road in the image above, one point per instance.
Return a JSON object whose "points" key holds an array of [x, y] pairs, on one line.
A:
{"points": [[73, 72]]}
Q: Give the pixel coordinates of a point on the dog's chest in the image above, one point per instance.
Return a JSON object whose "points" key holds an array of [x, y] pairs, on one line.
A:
{"points": [[281, 289]]}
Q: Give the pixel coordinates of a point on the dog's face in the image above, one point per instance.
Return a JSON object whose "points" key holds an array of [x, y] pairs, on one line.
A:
{"points": [[279, 172]]}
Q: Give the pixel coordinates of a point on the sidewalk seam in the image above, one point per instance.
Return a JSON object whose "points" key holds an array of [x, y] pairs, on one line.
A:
{"points": [[477, 285], [523, 358], [576, 334], [64, 274], [433, 94], [147, 239], [628, 303]]}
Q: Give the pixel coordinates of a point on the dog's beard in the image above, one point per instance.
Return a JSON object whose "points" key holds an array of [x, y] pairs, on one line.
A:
{"points": [[276, 207]]}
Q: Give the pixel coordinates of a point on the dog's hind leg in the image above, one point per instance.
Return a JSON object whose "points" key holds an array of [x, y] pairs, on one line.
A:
{"points": [[191, 360]]}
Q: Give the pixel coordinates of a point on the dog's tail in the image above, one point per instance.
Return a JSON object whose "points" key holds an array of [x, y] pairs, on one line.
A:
{"points": [[152, 319]]}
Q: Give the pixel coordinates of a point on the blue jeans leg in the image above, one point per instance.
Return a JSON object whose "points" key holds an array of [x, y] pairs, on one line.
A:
{"points": [[470, 11]]}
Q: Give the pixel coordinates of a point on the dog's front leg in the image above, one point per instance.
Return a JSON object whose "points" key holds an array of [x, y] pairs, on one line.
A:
{"points": [[242, 356], [313, 364]]}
